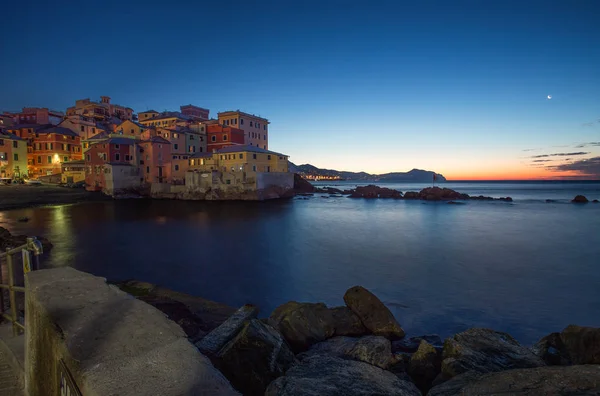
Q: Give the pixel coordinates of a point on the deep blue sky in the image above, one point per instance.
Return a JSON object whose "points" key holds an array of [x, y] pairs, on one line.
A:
{"points": [[459, 87]]}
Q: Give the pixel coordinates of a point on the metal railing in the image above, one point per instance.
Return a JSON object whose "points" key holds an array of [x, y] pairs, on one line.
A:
{"points": [[30, 252]]}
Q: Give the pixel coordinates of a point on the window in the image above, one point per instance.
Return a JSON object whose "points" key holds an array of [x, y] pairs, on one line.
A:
{"points": [[241, 121], [185, 157], [132, 131], [253, 156], [174, 157], [176, 167], [46, 146], [175, 146], [117, 157], [147, 169], [213, 138], [250, 123], [93, 130], [117, 146], [82, 128], [166, 135], [51, 146], [38, 146], [104, 156], [191, 137], [39, 159], [15, 144], [265, 127], [222, 157], [258, 125], [65, 158], [265, 137], [241, 156], [265, 146], [127, 157], [233, 156], [49, 159], [15, 156], [224, 138], [254, 168], [268, 157]]}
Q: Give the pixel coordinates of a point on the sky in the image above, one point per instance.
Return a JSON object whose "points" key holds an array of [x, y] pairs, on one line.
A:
{"points": [[457, 87]]}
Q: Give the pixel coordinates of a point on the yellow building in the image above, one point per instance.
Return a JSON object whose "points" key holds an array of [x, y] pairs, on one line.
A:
{"points": [[73, 171], [13, 156], [256, 129], [249, 159]]}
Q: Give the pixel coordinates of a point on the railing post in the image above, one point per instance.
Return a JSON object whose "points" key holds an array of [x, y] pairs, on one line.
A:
{"points": [[11, 292]]}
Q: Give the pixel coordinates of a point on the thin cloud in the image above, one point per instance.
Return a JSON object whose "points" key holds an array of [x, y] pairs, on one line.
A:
{"points": [[559, 154], [541, 161], [587, 167], [529, 149], [589, 144], [587, 124]]}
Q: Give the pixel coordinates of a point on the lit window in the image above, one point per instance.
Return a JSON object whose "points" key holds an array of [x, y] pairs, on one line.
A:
{"points": [[175, 136]]}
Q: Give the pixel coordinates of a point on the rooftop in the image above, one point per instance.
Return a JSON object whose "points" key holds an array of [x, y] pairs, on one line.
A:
{"points": [[246, 148], [147, 111], [201, 155], [20, 126], [58, 130], [156, 139], [120, 140], [8, 135], [231, 112], [168, 114], [100, 136]]}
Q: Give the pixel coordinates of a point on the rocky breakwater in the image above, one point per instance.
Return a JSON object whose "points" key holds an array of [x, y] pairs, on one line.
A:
{"points": [[359, 349]]}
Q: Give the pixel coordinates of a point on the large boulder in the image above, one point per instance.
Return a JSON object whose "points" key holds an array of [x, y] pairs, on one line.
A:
{"points": [[303, 324], [346, 322], [580, 199], [323, 375], [424, 366], [439, 194], [372, 191], [375, 350], [574, 345], [254, 358], [212, 343], [302, 185], [485, 350], [376, 317], [552, 380]]}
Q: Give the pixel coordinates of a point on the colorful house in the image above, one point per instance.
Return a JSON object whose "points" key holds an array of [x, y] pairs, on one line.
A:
{"points": [[72, 172], [256, 129], [102, 110], [248, 159], [115, 150], [13, 156], [155, 160], [219, 136]]}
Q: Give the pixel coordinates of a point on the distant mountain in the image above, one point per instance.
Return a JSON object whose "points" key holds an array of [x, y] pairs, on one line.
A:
{"points": [[415, 175]]}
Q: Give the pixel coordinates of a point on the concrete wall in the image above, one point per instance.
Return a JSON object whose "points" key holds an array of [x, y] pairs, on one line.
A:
{"points": [[217, 185], [111, 343], [120, 178]]}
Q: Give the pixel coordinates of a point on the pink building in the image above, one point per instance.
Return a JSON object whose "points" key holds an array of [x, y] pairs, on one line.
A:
{"points": [[37, 115], [195, 112], [155, 160], [114, 151]]}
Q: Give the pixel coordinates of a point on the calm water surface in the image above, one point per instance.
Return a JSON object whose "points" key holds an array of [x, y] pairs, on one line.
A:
{"points": [[528, 268]]}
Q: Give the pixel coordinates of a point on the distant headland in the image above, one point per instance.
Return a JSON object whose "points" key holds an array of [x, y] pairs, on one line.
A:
{"points": [[311, 172]]}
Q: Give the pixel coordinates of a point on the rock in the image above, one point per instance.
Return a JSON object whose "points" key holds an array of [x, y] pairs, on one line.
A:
{"points": [[411, 344], [455, 203], [595, 201], [303, 324], [372, 191], [505, 199], [550, 200], [552, 350], [254, 358], [346, 322], [580, 199], [302, 185], [411, 195], [485, 350], [375, 350], [424, 366], [375, 316], [581, 344], [440, 194], [178, 313], [7, 240], [23, 219], [323, 375], [552, 380], [216, 339]]}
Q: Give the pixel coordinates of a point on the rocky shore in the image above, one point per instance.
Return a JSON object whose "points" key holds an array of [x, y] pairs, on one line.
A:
{"points": [[9, 241], [24, 196], [361, 349]]}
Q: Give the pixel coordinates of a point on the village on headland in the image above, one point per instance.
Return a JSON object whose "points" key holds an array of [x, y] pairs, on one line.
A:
{"points": [[108, 148]]}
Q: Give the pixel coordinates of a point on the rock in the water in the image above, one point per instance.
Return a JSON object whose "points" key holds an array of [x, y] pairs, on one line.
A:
{"points": [[216, 339], [440, 194], [595, 201], [303, 324], [254, 358], [581, 344], [302, 185], [376, 317], [323, 375], [411, 344], [552, 380], [372, 191], [424, 366], [8, 241], [347, 323], [375, 350], [485, 350], [411, 195], [580, 199]]}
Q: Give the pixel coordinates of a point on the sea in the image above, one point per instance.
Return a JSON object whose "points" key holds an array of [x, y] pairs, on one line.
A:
{"points": [[527, 267]]}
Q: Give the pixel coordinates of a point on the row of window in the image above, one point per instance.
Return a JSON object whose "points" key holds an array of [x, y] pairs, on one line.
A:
{"points": [[82, 127], [103, 156], [49, 161], [213, 138], [241, 156], [256, 135], [63, 146], [252, 124], [15, 144], [4, 156]]}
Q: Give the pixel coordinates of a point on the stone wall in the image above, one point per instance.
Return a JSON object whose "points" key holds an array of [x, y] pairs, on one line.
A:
{"points": [[110, 343]]}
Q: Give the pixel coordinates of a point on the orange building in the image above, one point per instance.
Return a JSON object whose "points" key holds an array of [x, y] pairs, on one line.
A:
{"points": [[47, 147], [219, 136]]}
